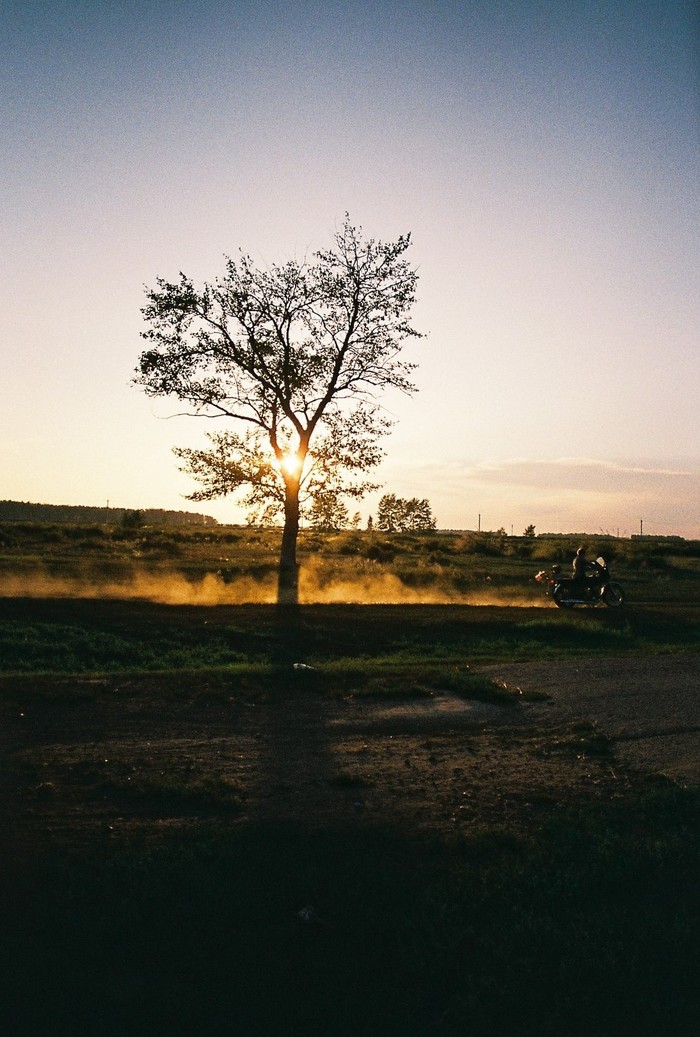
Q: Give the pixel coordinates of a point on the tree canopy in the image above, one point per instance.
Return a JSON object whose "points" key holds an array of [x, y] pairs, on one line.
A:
{"points": [[296, 356], [398, 515]]}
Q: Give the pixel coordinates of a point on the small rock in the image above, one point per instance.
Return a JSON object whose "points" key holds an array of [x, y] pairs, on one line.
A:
{"points": [[307, 913]]}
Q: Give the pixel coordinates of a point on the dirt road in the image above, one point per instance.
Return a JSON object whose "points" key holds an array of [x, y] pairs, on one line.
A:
{"points": [[125, 763], [649, 706]]}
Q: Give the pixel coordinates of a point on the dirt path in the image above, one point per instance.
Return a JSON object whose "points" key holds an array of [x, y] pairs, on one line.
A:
{"points": [[132, 763], [649, 706]]}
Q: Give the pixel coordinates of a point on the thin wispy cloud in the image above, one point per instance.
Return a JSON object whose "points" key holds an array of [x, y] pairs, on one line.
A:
{"points": [[511, 467], [558, 494]]}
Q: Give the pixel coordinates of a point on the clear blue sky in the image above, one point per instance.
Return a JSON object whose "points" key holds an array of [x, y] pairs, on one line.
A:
{"points": [[543, 154]]}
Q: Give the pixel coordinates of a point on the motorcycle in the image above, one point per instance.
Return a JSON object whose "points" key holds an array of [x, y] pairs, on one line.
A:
{"points": [[594, 588]]}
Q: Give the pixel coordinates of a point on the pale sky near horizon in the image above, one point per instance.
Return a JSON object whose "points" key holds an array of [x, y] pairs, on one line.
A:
{"points": [[544, 155]]}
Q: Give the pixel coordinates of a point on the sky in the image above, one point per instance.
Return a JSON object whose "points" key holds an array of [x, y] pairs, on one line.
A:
{"points": [[544, 155]]}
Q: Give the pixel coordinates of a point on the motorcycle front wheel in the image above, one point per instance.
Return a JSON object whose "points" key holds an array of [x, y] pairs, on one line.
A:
{"points": [[613, 595]]}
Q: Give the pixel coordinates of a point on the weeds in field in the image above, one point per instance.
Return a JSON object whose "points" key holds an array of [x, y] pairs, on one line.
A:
{"points": [[392, 678], [233, 565], [112, 638]]}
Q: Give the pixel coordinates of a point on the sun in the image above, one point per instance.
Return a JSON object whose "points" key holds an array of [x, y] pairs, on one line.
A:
{"points": [[291, 463]]}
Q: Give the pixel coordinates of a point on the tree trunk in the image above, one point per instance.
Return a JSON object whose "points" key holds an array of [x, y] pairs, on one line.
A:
{"points": [[288, 573]]}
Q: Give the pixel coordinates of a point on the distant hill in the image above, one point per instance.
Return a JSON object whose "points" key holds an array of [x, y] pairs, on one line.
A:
{"points": [[21, 511]]}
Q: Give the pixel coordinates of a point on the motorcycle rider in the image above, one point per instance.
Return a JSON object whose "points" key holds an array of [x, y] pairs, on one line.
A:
{"points": [[585, 571], [589, 583], [579, 566]]}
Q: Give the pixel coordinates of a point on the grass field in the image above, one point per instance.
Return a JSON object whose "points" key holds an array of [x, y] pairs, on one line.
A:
{"points": [[584, 923], [234, 565]]}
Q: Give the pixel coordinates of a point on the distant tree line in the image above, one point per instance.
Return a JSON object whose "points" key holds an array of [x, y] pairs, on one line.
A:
{"points": [[399, 515], [21, 511], [395, 514]]}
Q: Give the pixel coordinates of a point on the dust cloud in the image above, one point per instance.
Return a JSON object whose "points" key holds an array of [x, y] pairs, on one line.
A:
{"points": [[315, 587], [388, 589], [159, 588]]}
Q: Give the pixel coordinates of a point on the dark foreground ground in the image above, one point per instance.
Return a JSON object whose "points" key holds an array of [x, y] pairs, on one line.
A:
{"points": [[110, 760], [192, 863]]}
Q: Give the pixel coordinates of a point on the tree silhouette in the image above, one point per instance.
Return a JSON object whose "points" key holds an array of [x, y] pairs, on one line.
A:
{"points": [[297, 354], [396, 514]]}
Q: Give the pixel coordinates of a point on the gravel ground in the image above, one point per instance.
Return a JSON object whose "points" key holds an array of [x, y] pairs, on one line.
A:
{"points": [[649, 706]]}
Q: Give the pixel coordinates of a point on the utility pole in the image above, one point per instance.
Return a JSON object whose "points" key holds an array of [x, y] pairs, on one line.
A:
{"points": [[479, 525], [641, 527]]}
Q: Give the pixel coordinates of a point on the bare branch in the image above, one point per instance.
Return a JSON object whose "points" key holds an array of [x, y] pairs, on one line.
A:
{"points": [[297, 354]]}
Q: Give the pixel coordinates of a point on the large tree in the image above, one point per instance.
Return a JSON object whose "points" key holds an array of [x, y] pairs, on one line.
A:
{"points": [[297, 355]]}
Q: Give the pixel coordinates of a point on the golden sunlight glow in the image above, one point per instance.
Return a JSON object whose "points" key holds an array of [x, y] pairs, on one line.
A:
{"points": [[291, 464]]}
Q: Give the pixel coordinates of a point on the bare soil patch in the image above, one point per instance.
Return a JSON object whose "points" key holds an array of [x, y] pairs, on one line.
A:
{"points": [[106, 763], [649, 706]]}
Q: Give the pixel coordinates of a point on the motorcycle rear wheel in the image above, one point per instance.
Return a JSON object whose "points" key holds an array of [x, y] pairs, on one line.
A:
{"points": [[613, 595], [559, 600]]}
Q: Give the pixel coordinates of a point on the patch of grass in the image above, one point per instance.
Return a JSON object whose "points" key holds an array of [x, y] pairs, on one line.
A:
{"points": [[64, 637], [387, 678], [468, 685], [589, 929], [381, 677], [75, 648]]}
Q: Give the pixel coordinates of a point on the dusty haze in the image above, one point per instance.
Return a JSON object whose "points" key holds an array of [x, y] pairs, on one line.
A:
{"points": [[175, 589]]}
